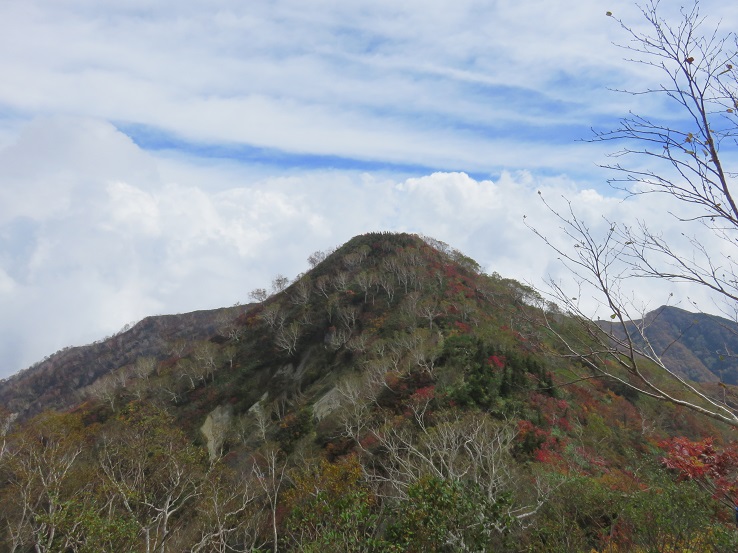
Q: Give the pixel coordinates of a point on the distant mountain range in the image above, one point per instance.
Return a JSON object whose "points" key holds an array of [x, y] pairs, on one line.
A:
{"points": [[701, 347], [55, 382]]}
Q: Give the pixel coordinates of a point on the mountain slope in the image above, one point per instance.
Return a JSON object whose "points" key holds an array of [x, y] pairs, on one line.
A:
{"points": [[54, 383], [394, 398], [698, 346]]}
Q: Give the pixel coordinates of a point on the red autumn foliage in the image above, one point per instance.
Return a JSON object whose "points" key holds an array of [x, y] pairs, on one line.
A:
{"points": [[450, 270], [496, 361], [543, 446], [554, 412], [590, 459], [715, 469], [426, 393]]}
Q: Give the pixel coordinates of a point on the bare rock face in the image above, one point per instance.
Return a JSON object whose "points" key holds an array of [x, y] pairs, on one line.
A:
{"points": [[259, 405], [327, 404], [215, 429]]}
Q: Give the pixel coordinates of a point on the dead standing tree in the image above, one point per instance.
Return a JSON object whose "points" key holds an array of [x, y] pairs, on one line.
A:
{"points": [[687, 156]]}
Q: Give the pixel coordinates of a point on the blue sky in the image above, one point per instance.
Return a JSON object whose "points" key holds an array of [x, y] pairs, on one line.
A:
{"points": [[171, 156]]}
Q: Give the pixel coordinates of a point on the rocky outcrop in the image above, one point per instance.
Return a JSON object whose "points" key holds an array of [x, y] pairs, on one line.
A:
{"points": [[215, 429], [327, 404]]}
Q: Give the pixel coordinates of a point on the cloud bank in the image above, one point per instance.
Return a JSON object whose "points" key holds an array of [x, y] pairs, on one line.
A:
{"points": [[96, 232], [170, 156]]}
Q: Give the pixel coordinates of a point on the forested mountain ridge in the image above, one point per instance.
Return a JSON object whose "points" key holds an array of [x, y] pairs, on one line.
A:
{"points": [[393, 398], [55, 382], [698, 346]]}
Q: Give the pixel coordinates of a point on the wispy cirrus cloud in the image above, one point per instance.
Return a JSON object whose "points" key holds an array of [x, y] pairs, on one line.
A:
{"points": [[434, 85], [170, 156]]}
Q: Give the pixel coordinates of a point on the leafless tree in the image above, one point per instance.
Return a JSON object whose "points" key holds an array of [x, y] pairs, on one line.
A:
{"points": [[259, 295], [323, 284], [365, 280], [273, 315], [262, 417], [106, 389], [269, 470], [229, 326], [357, 397], [429, 310], [316, 258], [352, 261], [42, 461], [687, 158], [229, 353], [358, 343], [178, 347], [410, 304], [287, 337], [206, 356], [387, 282], [152, 475], [396, 265], [279, 283], [341, 281], [461, 446], [339, 338], [348, 315], [191, 371], [332, 306], [425, 350], [301, 295], [143, 367], [227, 512]]}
